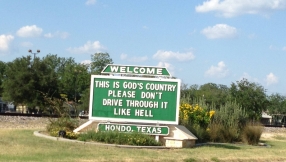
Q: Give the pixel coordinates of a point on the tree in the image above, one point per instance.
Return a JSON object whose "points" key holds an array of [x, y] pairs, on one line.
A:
{"points": [[189, 94], [84, 102], [26, 79], [210, 93], [99, 61], [251, 96], [73, 79], [277, 104], [2, 75], [216, 94]]}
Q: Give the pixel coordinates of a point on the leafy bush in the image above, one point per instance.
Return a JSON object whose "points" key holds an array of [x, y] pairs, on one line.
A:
{"points": [[113, 137], [196, 119], [195, 114], [252, 133], [66, 124], [220, 133], [201, 133], [227, 123]]}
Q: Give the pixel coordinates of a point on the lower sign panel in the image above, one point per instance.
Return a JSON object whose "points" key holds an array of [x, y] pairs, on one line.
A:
{"points": [[146, 129]]}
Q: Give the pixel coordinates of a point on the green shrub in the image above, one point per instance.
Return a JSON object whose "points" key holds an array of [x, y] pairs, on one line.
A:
{"points": [[252, 133], [113, 137], [227, 123], [220, 133], [200, 132], [65, 123], [196, 118]]}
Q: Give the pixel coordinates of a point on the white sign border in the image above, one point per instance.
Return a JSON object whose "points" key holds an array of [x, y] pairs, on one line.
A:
{"points": [[176, 122]]}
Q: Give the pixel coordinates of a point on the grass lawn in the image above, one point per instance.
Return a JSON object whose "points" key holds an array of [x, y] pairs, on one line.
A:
{"points": [[22, 145]]}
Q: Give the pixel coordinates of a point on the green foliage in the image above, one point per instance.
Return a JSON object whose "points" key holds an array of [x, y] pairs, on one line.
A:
{"points": [[252, 133], [113, 137], [56, 106], [201, 133], [65, 123], [196, 119], [277, 104], [25, 78], [227, 123], [212, 94], [99, 61], [195, 114], [220, 133], [2, 75], [84, 102], [251, 96]]}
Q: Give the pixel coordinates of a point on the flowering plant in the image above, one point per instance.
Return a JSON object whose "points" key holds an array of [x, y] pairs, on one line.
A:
{"points": [[195, 114]]}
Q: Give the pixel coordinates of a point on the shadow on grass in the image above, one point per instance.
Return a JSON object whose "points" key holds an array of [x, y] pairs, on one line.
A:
{"points": [[220, 145]]}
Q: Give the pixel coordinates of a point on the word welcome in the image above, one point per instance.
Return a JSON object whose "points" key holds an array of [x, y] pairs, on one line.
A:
{"points": [[137, 70]]}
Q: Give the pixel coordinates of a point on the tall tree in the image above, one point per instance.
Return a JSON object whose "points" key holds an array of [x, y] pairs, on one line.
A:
{"points": [[73, 79], [99, 61], [26, 79], [2, 75], [251, 96], [277, 104], [210, 93], [216, 94]]}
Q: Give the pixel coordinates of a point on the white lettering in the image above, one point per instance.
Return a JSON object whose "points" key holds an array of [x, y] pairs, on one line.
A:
{"points": [[114, 68], [112, 102], [142, 104], [121, 111]]}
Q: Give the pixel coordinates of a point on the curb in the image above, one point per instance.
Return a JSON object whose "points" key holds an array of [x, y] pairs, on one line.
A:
{"points": [[39, 134]]}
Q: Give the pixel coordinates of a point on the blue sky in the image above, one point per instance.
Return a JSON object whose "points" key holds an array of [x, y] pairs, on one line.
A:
{"points": [[203, 41]]}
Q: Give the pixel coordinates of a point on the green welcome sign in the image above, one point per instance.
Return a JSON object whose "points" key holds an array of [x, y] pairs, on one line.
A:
{"points": [[133, 99], [146, 129], [136, 70]]}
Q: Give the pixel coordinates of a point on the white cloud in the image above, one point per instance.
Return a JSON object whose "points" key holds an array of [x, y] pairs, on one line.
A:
{"points": [[134, 58], [86, 62], [90, 2], [219, 31], [5, 41], [49, 35], [271, 79], [62, 35], [170, 55], [169, 67], [89, 47], [230, 8], [218, 71], [30, 31]]}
